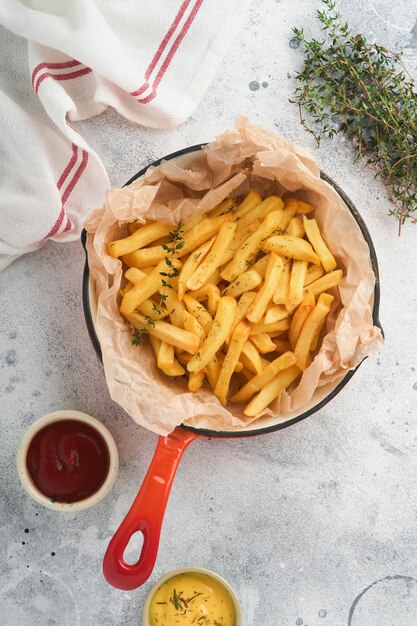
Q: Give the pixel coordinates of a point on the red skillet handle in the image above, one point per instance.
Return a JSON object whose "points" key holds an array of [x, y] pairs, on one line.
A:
{"points": [[146, 515]]}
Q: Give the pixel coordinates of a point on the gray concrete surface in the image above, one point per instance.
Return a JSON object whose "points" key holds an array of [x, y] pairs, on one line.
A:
{"points": [[314, 525]]}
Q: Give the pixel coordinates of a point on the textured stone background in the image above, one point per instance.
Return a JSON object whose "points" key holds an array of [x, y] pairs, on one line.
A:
{"points": [[301, 522]]}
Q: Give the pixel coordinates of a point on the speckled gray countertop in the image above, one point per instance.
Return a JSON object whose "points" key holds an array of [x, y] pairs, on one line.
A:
{"points": [[314, 525]]}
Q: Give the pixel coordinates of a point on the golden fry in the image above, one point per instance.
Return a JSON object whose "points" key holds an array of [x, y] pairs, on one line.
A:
{"points": [[212, 371], [193, 326], [221, 356], [265, 293], [213, 297], [261, 265], [291, 247], [314, 236], [248, 204], [245, 282], [218, 334], [295, 228], [213, 258], [156, 344], [299, 318], [313, 324], [140, 238], [145, 288], [239, 337], [263, 343], [272, 390], [251, 358], [245, 255], [283, 287], [195, 380], [275, 314], [313, 273], [165, 355], [302, 208], [270, 328], [192, 239], [152, 309], [243, 305], [202, 316], [134, 275], [191, 264], [223, 207], [238, 239], [174, 370], [272, 203], [297, 278], [260, 380], [326, 282], [166, 332]]}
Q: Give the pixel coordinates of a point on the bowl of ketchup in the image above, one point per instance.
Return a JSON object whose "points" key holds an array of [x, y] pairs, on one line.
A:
{"points": [[67, 461]]}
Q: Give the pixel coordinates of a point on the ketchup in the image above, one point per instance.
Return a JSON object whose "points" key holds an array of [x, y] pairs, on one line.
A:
{"points": [[68, 460]]}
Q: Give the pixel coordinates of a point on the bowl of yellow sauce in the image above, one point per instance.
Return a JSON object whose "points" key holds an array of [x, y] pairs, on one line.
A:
{"points": [[192, 595]]}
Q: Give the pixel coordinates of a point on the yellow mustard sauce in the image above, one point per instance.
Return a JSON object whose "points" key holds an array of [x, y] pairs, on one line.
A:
{"points": [[192, 599]]}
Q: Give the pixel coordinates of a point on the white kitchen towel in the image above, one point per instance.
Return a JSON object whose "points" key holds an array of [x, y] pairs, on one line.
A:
{"points": [[149, 59]]}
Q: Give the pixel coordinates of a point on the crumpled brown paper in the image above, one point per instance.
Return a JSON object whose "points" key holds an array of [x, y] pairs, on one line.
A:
{"points": [[249, 157]]}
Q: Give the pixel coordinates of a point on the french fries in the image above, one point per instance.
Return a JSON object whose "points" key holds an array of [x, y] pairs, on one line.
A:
{"points": [[332, 279], [145, 288], [312, 325], [276, 314], [263, 343], [260, 380], [314, 236], [214, 257], [313, 273], [248, 204], [239, 337], [283, 286], [299, 318], [297, 278], [295, 228], [245, 282], [272, 390], [190, 266], [272, 203], [216, 294], [217, 335], [198, 235], [247, 251], [291, 247], [140, 238], [265, 293], [178, 337]]}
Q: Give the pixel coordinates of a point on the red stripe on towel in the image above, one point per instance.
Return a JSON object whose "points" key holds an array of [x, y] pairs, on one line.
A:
{"points": [[161, 48], [171, 53], [68, 76]]}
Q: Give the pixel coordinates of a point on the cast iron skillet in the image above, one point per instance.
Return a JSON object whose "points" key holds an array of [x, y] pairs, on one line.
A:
{"points": [[147, 511]]}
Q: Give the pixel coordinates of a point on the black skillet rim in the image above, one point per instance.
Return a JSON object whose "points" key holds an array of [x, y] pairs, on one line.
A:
{"points": [[268, 429]]}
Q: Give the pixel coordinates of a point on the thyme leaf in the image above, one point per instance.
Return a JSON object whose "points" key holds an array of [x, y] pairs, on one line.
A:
{"points": [[361, 89]]}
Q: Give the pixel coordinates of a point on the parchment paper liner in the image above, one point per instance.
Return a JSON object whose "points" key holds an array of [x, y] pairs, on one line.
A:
{"points": [[249, 157]]}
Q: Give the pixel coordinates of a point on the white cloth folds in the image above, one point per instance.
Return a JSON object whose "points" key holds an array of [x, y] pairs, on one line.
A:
{"points": [[151, 60]]}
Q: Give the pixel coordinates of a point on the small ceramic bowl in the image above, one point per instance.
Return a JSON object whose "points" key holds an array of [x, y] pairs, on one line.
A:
{"points": [[192, 570], [27, 481]]}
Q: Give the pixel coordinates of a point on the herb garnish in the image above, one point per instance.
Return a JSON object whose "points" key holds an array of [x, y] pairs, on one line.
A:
{"points": [[177, 243], [363, 90]]}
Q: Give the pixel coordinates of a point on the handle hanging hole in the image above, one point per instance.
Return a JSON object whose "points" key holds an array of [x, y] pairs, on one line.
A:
{"points": [[133, 549]]}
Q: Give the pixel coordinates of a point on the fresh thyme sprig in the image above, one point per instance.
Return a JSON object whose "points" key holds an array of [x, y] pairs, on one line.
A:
{"points": [[363, 90], [176, 243]]}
